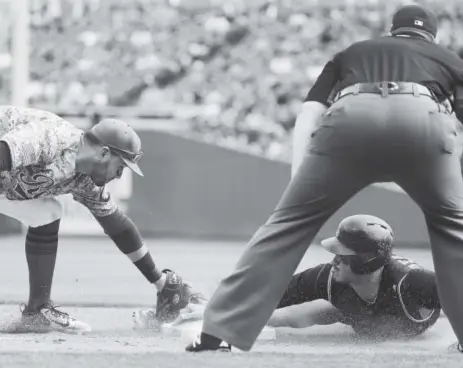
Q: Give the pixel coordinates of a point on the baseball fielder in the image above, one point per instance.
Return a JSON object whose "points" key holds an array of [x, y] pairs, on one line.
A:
{"points": [[42, 157]]}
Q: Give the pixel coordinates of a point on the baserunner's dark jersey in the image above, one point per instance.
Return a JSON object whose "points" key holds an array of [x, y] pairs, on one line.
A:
{"points": [[407, 302]]}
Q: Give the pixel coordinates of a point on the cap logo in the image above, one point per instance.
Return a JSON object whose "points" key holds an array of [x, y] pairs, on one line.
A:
{"points": [[419, 23]]}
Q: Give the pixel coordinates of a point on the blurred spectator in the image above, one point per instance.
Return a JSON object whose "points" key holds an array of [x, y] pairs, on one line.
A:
{"points": [[246, 64]]}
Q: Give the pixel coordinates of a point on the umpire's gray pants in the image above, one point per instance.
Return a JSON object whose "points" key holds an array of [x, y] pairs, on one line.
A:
{"points": [[362, 139]]}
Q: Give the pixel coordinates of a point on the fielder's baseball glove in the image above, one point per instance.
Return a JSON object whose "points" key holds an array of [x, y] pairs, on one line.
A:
{"points": [[175, 296]]}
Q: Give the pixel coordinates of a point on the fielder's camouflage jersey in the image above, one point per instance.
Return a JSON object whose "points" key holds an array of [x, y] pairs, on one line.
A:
{"points": [[407, 302], [43, 150]]}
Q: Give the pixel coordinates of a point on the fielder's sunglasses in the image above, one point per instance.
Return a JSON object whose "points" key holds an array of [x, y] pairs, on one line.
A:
{"points": [[133, 157]]}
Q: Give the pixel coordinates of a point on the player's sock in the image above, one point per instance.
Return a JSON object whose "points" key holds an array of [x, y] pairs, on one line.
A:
{"points": [[41, 249]]}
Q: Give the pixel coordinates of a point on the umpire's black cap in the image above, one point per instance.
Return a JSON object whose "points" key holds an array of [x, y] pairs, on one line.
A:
{"points": [[414, 17], [361, 234]]}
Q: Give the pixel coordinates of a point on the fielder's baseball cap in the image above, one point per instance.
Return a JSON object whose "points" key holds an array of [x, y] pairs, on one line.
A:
{"points": [[360, 234], [122, 140], [414, 17]]}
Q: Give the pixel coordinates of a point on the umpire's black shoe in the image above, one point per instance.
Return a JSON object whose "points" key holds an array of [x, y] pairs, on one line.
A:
{"points": [[456, 347], [205, 342]]}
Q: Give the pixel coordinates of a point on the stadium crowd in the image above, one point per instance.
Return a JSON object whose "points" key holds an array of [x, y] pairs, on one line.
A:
{"points": [[246, 64]]}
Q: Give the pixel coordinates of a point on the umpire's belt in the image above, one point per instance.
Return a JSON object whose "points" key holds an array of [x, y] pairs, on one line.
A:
{"points": [[385, 89]]}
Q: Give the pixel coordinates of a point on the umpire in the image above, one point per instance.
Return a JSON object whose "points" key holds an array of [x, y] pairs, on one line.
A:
{"points": [[390, 120]]}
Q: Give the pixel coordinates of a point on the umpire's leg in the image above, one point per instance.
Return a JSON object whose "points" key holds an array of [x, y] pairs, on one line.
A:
{"points": [[435, 183], [244, 301]]}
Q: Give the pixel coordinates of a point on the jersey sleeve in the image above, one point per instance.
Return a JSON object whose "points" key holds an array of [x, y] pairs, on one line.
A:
{"points": [[306, 286], [97, 199], [35, 137], [325, 83], [419, 286]]}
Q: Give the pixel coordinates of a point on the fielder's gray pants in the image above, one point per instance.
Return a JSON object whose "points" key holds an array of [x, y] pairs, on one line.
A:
{"points": [[362, 139]]}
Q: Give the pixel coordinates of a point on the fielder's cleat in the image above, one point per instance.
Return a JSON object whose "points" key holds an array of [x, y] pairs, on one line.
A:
{"points": [[48, 318], [197, 346]]}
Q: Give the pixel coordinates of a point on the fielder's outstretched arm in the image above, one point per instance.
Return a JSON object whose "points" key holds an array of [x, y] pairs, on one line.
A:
{"points": [[124, 233], [120, 228]]}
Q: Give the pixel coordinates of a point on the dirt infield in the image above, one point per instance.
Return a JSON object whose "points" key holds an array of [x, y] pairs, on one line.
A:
{"points": [[101, 287]]}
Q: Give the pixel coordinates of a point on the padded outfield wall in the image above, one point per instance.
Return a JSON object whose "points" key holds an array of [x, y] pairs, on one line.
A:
{"points": [[197, 190], [193, 189]]}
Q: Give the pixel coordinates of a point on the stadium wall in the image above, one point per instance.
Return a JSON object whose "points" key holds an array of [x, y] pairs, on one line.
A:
{"points": [[197, 190], [192, 189]]}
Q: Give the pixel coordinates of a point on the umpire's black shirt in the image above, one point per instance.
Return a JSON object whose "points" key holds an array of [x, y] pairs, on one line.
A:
{"points": [[394, 59]]}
